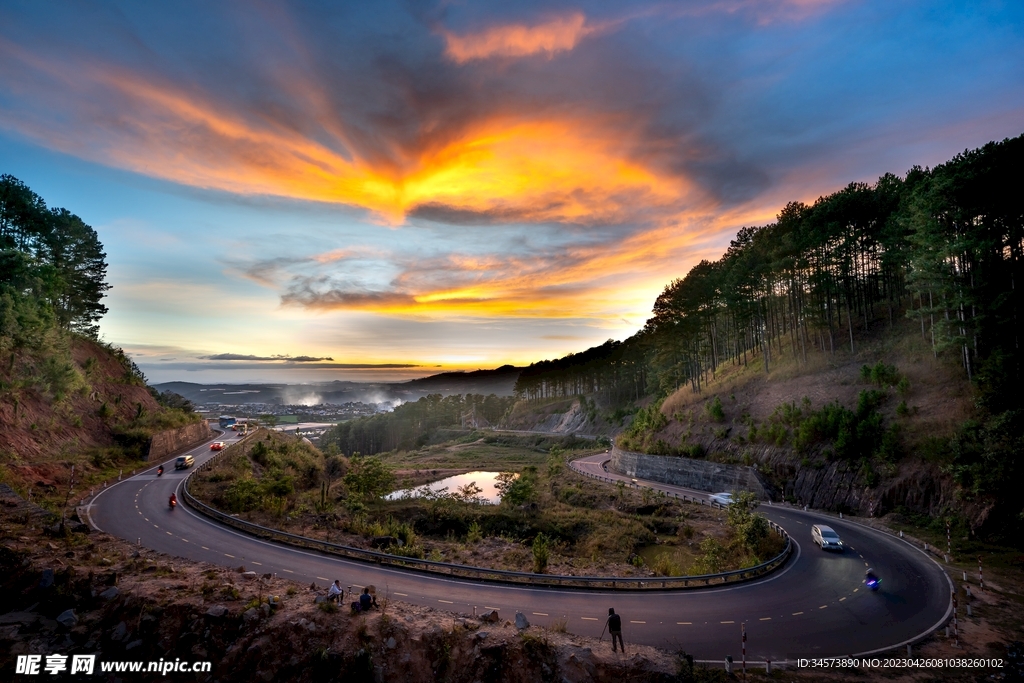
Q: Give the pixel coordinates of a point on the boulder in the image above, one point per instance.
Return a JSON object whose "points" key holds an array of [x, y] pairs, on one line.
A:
{"points": [[490, 617], [217, 611], [250, 614], [134, 644], [68, 618], [110, 593], [521, 621], [320, 598], [390, 643], [249, 576], [382, 542], [46, 581], [120, 632]]}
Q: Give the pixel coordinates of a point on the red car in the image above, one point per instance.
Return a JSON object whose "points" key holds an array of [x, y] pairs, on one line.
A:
{"points": [[216, 445]]}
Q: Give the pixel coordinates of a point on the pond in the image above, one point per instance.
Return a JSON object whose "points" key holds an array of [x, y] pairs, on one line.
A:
{"points": [[483, 480]]}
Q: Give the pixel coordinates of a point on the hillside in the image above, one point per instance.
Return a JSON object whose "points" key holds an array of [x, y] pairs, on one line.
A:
{"points": [[863, 351], [67, 401]]}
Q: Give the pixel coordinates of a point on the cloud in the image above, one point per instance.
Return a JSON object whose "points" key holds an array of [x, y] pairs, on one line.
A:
{"points": [[559, 34], [243, 357]]}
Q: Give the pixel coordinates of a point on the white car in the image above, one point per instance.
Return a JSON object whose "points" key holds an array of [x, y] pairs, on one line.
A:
{"points": [[826, 537], [724, 499]]}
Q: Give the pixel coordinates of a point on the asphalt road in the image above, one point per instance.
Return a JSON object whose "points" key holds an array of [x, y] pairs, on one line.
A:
{"points": [[815, 605]]}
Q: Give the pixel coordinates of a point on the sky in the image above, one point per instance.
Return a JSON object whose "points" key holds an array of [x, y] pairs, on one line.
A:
{"points": [[302, 191]]}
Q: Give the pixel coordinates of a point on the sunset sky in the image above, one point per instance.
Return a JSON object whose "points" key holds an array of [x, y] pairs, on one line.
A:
{"points": [[295, 191]]}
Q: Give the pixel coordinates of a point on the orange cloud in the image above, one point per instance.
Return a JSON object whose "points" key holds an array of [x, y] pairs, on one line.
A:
{"points": [[519, 40]]}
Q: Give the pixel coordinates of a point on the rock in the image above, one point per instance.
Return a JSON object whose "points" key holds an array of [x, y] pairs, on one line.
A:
{"points": [[68, 618], [106, 561], [320, 598], [80, 528], [390, 643], [46, 581], [265, 608], [217, 611], [110, 593], [482, 635], [490, 617], [120, 632], [381, 542], [311, 627], [250, 614], [134, 644], [249, 576], [521, 621], [20, 618]]}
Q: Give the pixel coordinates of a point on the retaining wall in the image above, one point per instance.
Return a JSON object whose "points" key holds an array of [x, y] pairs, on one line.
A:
{"points": [[695, 474], [164, 443]]}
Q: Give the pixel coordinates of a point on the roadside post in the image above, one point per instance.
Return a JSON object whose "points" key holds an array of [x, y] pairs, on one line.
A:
{"points": [[743, 648]]}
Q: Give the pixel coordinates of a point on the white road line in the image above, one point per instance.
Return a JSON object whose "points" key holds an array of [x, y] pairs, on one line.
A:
{"points": [[589, 618], [796, 614], [823, 607], [841, 599], [404, 595], [765, 619], [323, 578], [258, 564], [169, 533], [638, 622], [288, 570], [540, 614], [684, 623], [204, 547], [231, 556], [493, 608], [447, 602]]}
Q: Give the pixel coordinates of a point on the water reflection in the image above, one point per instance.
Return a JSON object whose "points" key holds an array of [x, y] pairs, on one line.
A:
{"points": [[483, 480]]}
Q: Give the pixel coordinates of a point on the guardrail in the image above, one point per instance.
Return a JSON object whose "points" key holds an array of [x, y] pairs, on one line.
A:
{"points": [[481, 573]]}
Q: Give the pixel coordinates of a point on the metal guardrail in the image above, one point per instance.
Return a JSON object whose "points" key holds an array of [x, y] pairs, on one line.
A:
{"points": [[481, 573]]}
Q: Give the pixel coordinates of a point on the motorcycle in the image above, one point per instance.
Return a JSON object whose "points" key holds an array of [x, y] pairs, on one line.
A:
{"points": [[173, 502], [872, 582], [160, 471]]}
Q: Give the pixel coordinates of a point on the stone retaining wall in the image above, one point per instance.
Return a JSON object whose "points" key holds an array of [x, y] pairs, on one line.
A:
{"points": [[164, 443], [695, 474]]}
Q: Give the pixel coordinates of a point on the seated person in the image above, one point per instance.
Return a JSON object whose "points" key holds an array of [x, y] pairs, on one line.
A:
{"points": [[366, 600], [336, 592]]}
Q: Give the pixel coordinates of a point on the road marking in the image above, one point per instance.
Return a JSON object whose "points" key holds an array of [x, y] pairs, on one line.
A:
{"points": [[728, 622], [323, 578], [493, 608], [855, 590], [156, 526], [684, 623], [841, 599], [288, 570], [204, 547], [258, 564], [589, 618], [185, 539], [637, 622], [447, 602], [540, 614], [145, 518], [823, 607], [231, 556], [796, 614], [765, 619], [169, 533], [404, 595]]}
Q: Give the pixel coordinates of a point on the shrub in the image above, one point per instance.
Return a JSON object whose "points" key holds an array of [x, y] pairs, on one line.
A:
{"points": [[714, 410], [243, 495], [541, 551]]}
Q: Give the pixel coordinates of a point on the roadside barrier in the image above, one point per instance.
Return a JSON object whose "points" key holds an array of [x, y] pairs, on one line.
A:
{"points": [[626, 583]]}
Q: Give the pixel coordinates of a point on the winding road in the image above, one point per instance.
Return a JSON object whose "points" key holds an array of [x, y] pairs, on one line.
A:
{"points": [[814, 606]]}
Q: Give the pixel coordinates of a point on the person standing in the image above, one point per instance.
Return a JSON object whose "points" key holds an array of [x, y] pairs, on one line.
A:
{"points": [[614, 626]]}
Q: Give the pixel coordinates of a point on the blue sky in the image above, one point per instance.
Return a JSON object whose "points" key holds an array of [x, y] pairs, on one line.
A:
{"points": [[461, 185]]}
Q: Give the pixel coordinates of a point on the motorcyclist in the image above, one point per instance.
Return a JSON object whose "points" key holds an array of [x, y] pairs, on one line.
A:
{"points": [[173, 500], [159, 470], [870, 578]]}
